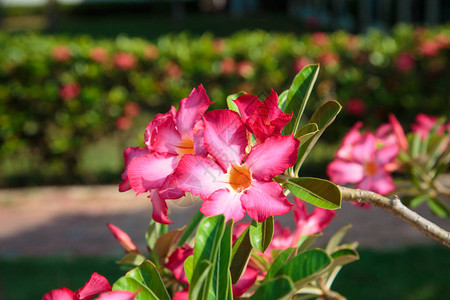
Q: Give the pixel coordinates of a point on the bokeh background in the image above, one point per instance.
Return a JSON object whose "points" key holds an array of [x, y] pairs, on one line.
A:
{"points": [[79, 81]]}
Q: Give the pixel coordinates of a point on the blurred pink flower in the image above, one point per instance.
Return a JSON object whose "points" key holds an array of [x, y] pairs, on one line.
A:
{"points": [[176, 260], [123, 123], [124, 61], [320, 39], [61, 53], [69, 91], [329, 58], [98, 54], [151, 52], [132, 109], [430, 48], [123, 238], [228, 66], [173, 70], [424, 123], [96, 284], [245, 68], [301, 62], [352, 43], [404, 62], [355, 107]]}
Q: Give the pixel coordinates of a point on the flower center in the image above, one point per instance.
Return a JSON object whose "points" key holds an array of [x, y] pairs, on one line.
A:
{"points": [[240, 177], [185, 146], [370, 168]]}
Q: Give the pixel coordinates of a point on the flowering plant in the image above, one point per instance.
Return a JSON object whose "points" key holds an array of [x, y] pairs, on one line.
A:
{"points": [[244, 160]]}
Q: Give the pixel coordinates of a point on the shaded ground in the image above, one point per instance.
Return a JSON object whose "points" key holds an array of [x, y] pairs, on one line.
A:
{"points": [[71, 221]]}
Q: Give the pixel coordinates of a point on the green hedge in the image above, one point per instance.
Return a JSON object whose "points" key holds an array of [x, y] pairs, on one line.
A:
{"points": [[59, 93]]}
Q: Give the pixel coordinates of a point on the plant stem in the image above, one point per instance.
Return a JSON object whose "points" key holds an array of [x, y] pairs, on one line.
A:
{"points": [[396, 207]]}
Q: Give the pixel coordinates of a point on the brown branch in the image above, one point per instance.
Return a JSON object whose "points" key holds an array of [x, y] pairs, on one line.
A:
{"points": [[396, 207]]}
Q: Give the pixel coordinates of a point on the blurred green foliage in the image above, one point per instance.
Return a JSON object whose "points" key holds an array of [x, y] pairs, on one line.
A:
{"points": [[59, 94]]}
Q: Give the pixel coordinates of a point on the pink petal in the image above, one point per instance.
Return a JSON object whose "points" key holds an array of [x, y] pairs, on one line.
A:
{"points": [[128, 154], [264, 199], [352, 137], [151, 131], [191, 110], [199, 175], [247, 104], [282, 238], [165, 137], [224, 202], [300, 213], [183, 295], [117, 295], [313, 223], [123, 238], [150, 171], [399, 132], [159, 208], [59, 294], [382, 183], [96, 284], [386, 155], [272, 157], [342, 172], [245, 282], [199, 139], [176, 262], [225, 137], [364, 150]]}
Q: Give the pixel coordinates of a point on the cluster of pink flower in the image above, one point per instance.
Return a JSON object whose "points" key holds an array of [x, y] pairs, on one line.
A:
{"points": [[368, 159], [211, 155]]}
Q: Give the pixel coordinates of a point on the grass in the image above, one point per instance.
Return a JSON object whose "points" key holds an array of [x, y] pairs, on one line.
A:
{"points": [[417, 273]]}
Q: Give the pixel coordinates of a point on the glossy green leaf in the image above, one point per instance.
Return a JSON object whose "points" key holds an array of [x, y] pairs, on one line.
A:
{"points": [[282, 100], [261, 234], [306, 267], [230, 103], [323, 117], [336, 239], [278, 263], [198, 286], [222, 276], [278, 288], [125, 283], [344, 256], [148, 275], [240, 254], [439, 208], [132, 259], [190, 228], [306, 241], [298, 96], [189, 267], [320, 192], [307, 132]]}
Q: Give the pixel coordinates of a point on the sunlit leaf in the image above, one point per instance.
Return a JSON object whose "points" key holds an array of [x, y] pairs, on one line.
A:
{"points": [[261, 234], [320, 192], [278, 263], [336, 239], [277, 288], [230, 103], [125, 283], [190, 228], [132, 259], [189, 267], [148, 275], [306, 241]]}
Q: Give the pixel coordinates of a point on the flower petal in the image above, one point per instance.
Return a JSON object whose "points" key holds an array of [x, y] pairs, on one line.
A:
{"points": [[247, 104], [128, 154], [159, 208], [150, 171], [342, 172], [151, 131], [386, 155], [59, 294], [272, 157], [315, 222], [382, 183], [364, 150], [117, 295], [224, 202], [349, 140], [245, 282], [123, 238], [264, 199], [165, 138], [176, 260], [199, 175], [97, 284], [191, 110], [225, 137], [399, 132]]}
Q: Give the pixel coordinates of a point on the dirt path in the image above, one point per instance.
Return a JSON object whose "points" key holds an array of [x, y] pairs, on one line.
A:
{"points": [[71, 221]]}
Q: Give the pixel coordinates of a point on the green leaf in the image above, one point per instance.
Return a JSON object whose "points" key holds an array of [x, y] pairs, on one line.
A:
{"points": [[415, 202], [198, 283], [230, 103], [132, 259], [306, 241], [336, 239], [190, 228], [154, 231], [320, 192], [298, 96], [344, 256], [306, 267], [307, 132], [323, 117], [282, 100], [125, 283], [189, 267], [439, 207], [222, 274], [242, 249], [278, 263], [261, 234], [277, 288], [148, 275]]}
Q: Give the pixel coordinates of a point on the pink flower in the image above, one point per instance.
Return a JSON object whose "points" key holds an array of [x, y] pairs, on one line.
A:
{"points": [[263, 119], [306, 224], [228, 66], [392, 133], [404, 62], [69, 91], [98, 54], [245, 282], [245, 69], [123, 123], [132, 109], [424, 123], [117, 295], [231, 182], [61, 53], [356, 107], [124, 61], [320, 39], [182, 295], [430, 48], [176, 262], [362, 163], [301, 62], [123, 238], [96, 284], [168, 137], [329, 58], [151, 52], [173, 70]]}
